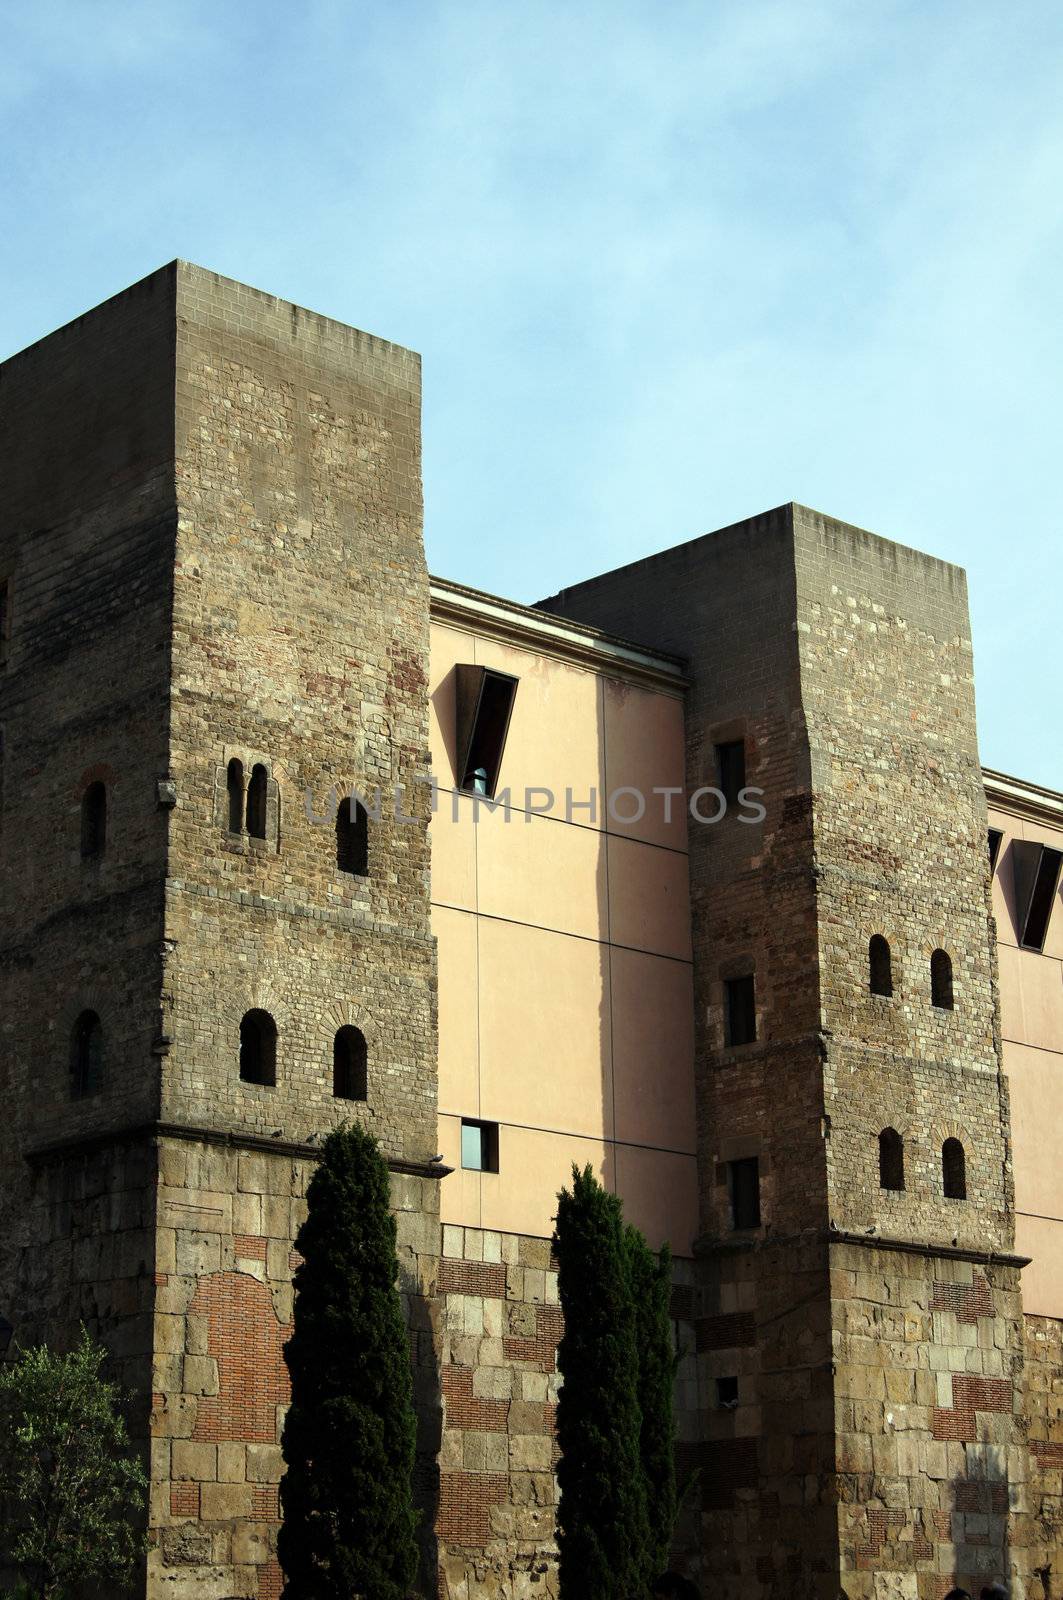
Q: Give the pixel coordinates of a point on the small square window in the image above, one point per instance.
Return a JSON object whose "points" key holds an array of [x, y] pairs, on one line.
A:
{"points": [[740, 1010], [731, 769], [743, 1179], [479, 1146], [727, 1393]]}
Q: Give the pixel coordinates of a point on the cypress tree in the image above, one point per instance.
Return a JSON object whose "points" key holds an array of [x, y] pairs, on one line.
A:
{"points": [[651, 1289], [602, 1524], [349, 1438]]}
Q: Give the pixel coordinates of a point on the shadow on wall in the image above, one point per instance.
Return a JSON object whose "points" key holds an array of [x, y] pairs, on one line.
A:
{"points": [[981, 1503], [428, 1404]]}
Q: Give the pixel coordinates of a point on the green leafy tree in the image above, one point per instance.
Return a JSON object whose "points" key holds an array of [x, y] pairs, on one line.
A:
{"points": [[603, 1529], [67, 1477], [650, 1278], [350, 1435]]}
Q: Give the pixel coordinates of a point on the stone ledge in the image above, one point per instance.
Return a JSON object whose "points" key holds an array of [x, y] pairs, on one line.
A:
{"points": [[232, 1138]]}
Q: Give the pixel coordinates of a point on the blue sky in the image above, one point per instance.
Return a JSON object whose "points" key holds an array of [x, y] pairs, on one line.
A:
{"points": [[668, 264]]}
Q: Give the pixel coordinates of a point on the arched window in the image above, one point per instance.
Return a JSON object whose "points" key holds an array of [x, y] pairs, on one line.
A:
{"points": [[941, 980], [234, 785], [890, 1159], [86, 1056], [350, 1075], [879, 965], [954, 1170], [93, 821], [258, 1048], [256, 802], [352, 837]]}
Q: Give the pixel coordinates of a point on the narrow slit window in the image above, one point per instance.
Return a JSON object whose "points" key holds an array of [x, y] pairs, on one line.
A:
{"points": [[743, 1182], [352, 837], [479, 1146], [880, 965], [740, 1010], [258, 1049], [350, 1065], [996, 838], [731, 769], [890, 1160], [1037, 870], [256, 801], [86, 1064], [234, 789], [953, 1170], [93, 821], [484, 706], [941, 980], [5, 619]]}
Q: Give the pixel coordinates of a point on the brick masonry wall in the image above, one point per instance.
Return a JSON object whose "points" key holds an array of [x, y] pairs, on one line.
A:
{"points": [[227, 1221], [300, 640], [846, 668], [500, 1325], [1044, 1419]]}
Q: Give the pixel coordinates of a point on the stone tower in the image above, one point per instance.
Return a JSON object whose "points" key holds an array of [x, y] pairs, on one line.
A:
{"points": [[857, 1275], [210, 541]]}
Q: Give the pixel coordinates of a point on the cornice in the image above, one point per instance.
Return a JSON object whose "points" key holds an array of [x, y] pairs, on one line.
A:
{"points": [[528, 628]]}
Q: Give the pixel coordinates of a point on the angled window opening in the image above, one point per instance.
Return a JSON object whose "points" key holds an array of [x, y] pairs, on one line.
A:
{"points": [[258, 1048], [1037, 870], [86, 1056], [93, 822], [941, 980], [352, 838], [479, 1145], [890, 1160], [953, 1170], [350, 1065], [731, 769], [484, 706], [256, 801], [743, 1187], [740, 1010], [996, 838], [880, 965], [234, 791]]}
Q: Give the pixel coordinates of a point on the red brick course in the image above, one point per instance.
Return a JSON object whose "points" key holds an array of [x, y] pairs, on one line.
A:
{"points": [[247, 1341], [466, 1410], [968, 1301], [465, 1501], [486, 1278]]}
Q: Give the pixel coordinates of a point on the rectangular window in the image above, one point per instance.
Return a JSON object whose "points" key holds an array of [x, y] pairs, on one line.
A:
{"points": [[740, 1007], [743, 1181], [731, 769], [484, 702], [995, 838], [479, 1146], [726, 1393]]}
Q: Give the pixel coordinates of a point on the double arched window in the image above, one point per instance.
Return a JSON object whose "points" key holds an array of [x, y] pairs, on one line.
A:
{"points": [[880, 966], [258, 1056], [941, 980], [86, 1056], [890, 1159]]}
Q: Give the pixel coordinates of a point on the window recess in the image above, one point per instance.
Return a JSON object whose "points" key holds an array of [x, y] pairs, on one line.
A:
{"points": [[484, 706], [479, 1145], [1036, 880]]}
